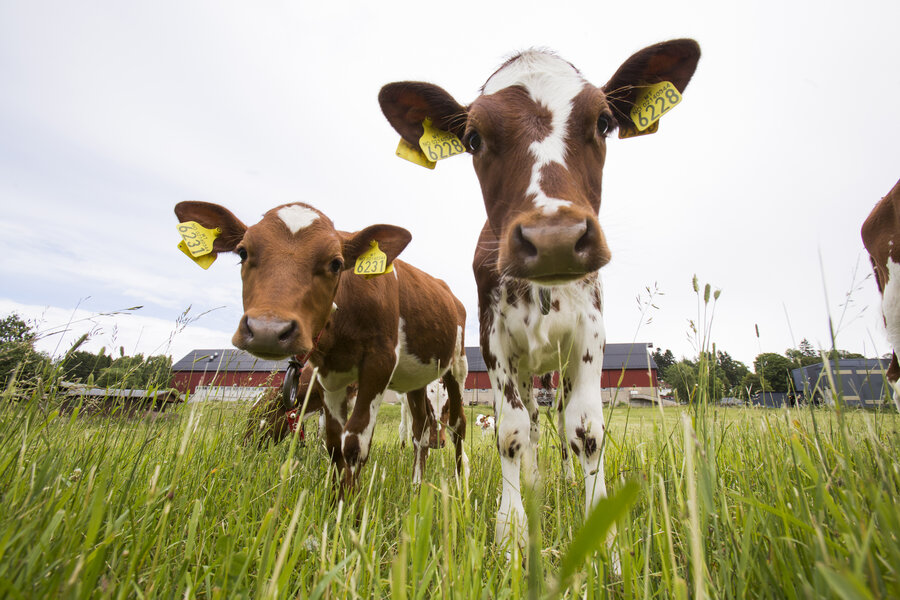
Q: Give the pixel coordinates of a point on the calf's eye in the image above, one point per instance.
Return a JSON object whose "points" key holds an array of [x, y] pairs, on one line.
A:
{"points": [[242, 254], [336, 265], [472, 142], [603, 125]]}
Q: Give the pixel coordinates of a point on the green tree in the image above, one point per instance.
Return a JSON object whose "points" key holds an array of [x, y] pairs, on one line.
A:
{"points": [[663, 360], [682, 378], [774, 371], [731, 370], [136, 372], [750, 384], [17, 352], [80, 365]]}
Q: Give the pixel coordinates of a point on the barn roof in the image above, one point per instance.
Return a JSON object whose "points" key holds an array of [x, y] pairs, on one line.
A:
{"points": [[618, 356], [226, 360]]}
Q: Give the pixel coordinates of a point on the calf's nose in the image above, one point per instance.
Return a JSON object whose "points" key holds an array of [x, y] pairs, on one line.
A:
{"points": [[266, 335], [555, 249]]}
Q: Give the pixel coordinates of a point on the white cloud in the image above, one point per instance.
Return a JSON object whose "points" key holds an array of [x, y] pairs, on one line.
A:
{"points": [[58, 328]]}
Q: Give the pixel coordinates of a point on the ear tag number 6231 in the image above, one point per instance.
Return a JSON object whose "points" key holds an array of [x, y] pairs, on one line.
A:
{"points": [[372, 262], [197, 242]]}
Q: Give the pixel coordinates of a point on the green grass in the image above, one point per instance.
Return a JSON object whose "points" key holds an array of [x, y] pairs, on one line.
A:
{"points": [[760, 503]]}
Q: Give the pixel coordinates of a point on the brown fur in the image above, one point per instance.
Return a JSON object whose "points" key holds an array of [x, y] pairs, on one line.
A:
{"points": [[881, 237], [289, 285]]}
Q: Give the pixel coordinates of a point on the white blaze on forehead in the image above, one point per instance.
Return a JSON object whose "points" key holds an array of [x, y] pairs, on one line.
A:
{"points": [[553, 83], [297, 217]]}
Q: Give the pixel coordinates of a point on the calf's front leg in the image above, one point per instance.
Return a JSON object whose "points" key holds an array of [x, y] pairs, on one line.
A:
{"points": [[356, 439]]}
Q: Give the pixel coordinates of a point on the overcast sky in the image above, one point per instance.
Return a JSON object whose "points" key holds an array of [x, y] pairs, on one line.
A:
{"points": [[758, 182]]}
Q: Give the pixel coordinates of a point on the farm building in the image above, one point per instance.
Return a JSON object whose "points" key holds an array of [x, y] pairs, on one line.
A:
{"points": [[862, 381], [629, 375], [225, 374]]}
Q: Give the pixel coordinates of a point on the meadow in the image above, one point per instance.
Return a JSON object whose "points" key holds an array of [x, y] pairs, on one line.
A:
{"points": [[711, 502]]}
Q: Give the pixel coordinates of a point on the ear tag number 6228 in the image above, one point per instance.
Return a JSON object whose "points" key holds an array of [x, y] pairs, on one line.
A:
{"points": [[655, 101]]}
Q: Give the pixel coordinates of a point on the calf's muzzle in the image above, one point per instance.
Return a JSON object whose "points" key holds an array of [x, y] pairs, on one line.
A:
{"points": [[267, 336], [555, 250]]}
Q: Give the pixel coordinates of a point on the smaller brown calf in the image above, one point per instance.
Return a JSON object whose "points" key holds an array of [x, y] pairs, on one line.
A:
{"points": [[268, 419]]}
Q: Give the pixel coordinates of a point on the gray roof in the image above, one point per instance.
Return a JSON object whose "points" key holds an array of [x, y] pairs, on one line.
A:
{"points": [[617, 356], [226, 359], [629, 356]]}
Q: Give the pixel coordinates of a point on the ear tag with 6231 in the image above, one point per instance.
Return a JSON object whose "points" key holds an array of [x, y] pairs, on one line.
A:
{"points": [[372, 262], [197, 242], [655, 101]]}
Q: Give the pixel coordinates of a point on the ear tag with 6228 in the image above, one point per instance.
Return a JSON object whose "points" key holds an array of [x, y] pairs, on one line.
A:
{"points": [[372, 262], [197, 242], [407, 151], [438, 144], [655, 101]]}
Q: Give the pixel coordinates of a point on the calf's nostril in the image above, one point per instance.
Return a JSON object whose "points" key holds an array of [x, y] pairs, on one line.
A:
{"points": [[586, 241], [287, 331], [526, 248], [245, 326]]}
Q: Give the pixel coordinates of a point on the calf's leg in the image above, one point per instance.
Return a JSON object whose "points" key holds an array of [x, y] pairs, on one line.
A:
{"points": [[513, 441]]}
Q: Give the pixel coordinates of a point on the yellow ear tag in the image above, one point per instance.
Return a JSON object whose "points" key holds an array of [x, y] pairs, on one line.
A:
{"points": [[204, 261], [438, 144], [407, 151], [627, 130], [372, 262], [198, 239], [655, 101]]}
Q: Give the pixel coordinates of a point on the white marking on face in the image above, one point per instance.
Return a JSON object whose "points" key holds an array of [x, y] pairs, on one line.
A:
{"points": [[297, 217], [553, 83]]}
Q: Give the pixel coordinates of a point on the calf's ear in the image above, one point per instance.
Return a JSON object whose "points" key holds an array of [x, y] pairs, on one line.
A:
{"points": [[391, 240], [213, 216], [407, 103], [673, 61]]}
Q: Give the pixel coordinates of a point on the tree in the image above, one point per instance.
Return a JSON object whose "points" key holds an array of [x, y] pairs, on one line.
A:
{"points": [[663, 360], [137, 373], [733, 371], [80, 365], [750, 385], [17, 353], [682, 378], [804, 354], [774, 371]]}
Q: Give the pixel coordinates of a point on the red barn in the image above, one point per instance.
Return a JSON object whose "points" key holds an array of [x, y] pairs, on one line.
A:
{"points": [[225, 368], [629, 372]]}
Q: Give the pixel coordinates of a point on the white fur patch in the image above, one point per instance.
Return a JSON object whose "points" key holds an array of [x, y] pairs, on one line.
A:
{"points": [[297, 217], [411, 374], [553, 83], [890, 304]]}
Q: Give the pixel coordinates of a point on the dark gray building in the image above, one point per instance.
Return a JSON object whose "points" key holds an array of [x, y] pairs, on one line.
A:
{"points": [[861, 380]]}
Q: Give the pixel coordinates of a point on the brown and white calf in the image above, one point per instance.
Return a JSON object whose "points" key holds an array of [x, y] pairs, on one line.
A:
{"points": [[268, 419], [537, 134], [881, 237], [437, 416], [397, 331]]}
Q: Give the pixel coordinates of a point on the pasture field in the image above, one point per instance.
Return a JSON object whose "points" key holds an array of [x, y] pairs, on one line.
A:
{"points": [[758, 504]]}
